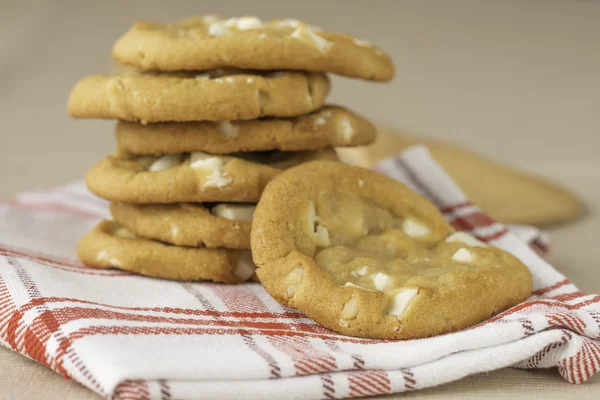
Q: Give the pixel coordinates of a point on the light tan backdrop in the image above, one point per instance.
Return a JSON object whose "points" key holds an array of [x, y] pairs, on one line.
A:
{"points": [[516, 80]]}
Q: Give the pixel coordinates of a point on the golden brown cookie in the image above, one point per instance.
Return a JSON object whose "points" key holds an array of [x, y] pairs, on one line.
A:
{"points": [[195, 225], [330, 126], [208, 42], [109, 245], [510, 196], [191, 96], [365, 256], [192, 177]]}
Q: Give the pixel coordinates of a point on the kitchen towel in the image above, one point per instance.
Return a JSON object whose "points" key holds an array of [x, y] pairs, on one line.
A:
{"points": [[131, 337]]}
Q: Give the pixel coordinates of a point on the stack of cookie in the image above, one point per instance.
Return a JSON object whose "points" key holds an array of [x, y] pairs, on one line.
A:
{"points": [[212, 111]]}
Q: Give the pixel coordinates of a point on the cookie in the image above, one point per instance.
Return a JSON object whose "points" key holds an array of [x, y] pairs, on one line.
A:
{"points": [[191, 96], [109, 245], [510, 196], [331, 126], [365, 256], [191, 177], [194, 225], [208, 42]]}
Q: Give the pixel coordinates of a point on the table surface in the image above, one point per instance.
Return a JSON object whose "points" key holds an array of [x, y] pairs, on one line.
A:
{"points": [[515, 80]]}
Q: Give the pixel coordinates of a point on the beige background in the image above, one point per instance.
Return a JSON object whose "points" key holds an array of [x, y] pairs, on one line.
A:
{"points": [[516, 80]]}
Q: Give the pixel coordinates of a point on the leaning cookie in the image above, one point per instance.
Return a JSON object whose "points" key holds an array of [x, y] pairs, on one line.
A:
{"points": [[195, 225], [330, 126], [192, 177], [365, 256], [211, 42], [109, 245], [185, 96]]}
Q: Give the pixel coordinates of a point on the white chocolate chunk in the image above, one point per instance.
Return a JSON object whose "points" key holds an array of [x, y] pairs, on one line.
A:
{"points": [[165, 162], [245, 267], [350, 309], [124, 233], [111, 261], [230, 22], [319, 232], [245, 23], [322, 117], [211, 163], [465, 238], [363, 43], [463, 256], [228, 129], [249, 80], [352, 285], [293, 280], [217, 28], [399, 302], [202, 77], [319, 120], [114, 262], [229, 79], [345, 130], [102, 255], [212, 167], [414, 228], [361, 183], [197, 156], [217, 179], [234, 212], [361, 271], [174, 231], [290, 23], [322, 235], [381, 281], [307, 35]]}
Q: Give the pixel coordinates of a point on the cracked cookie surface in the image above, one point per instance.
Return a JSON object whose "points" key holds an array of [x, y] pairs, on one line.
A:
{"points": [[365, 256], [216, 95], [207, 42]]}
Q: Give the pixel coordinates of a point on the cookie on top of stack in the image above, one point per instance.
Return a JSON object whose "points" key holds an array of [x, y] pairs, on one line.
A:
{"points": [[211, 112]]}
